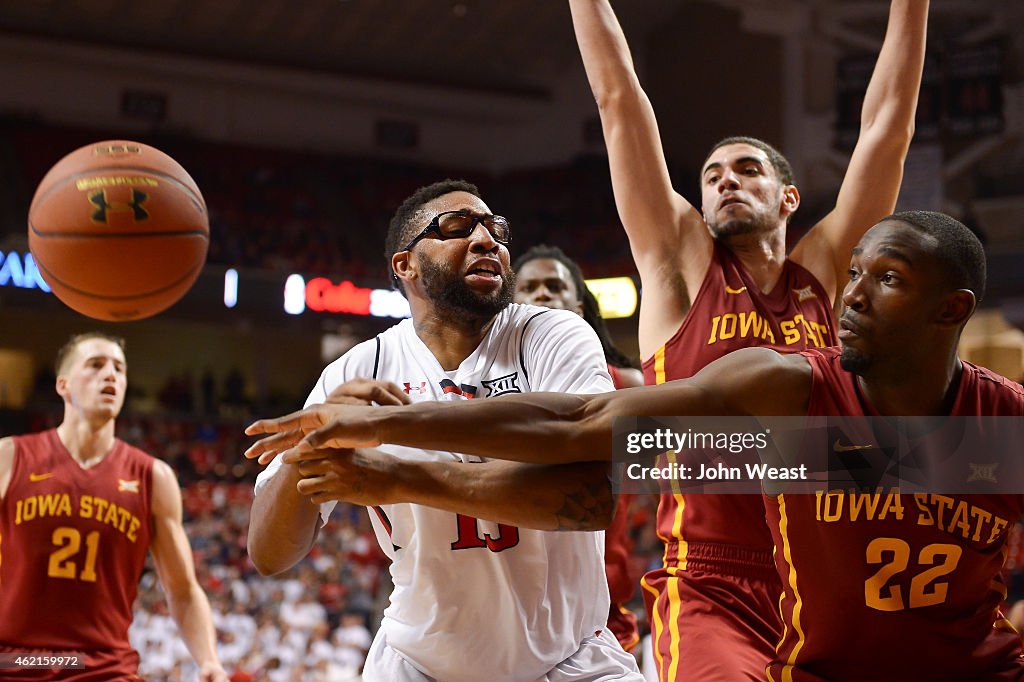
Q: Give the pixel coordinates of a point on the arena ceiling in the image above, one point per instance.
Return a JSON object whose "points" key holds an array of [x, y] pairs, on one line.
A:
{"points": [[487, 44], [511, 45]]}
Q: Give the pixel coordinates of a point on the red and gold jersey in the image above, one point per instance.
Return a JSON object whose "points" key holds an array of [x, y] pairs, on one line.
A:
{"points": [[729, 313], [73, 543], [881, 585]]}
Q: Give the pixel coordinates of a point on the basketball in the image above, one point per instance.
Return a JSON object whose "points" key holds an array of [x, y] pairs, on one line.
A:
{"points": [[119, 230]]}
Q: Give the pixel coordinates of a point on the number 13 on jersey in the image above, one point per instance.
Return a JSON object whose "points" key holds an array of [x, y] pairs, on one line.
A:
{"points": [[471, 536]]}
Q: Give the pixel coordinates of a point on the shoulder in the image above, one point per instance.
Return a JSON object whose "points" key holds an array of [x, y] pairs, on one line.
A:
{"points": [[166, 491], [1000, 393], [520, 315], [360, 360], [759, 381], [133, 459], [536, 322]]}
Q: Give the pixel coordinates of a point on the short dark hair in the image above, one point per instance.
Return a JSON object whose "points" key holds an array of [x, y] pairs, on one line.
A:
{"points": [[959, 252], [401, 227], [68, 348], [775, 157], [591, 309]]}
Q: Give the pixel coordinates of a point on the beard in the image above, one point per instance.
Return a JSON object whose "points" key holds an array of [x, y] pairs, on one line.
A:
{"points": [[449, 292], [854, 361], [736, 227]]}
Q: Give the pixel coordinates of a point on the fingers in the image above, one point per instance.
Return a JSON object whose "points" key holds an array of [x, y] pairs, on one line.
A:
{"points": [[310, 486], [303, 420], [319, 467], [366, 391], [302, 452], [267, 448], [339, 434]]}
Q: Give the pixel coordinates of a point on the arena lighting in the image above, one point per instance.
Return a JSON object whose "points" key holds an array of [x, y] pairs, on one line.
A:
{"points": [[20, 270], [322, 295], [616, 296], [294, 295], [231, 288]]}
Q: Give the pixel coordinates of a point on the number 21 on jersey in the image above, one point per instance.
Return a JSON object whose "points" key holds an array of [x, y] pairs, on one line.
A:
{"points": [[64, 561]]}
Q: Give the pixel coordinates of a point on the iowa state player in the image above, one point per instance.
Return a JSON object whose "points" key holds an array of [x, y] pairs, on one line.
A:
{"points": [[910, 597], [717, 278], [78, 512]]}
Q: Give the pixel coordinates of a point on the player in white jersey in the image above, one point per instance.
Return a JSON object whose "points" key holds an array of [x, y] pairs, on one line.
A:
{"points": [[474, 599]]}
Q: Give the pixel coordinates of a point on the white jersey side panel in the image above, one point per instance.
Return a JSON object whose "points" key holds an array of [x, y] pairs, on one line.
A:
{"points": [[475, 600]]}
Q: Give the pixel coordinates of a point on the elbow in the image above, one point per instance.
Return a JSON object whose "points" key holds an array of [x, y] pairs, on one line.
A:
{"points": [[267, 559], [897, 132], [264, 566], [613, 98]]}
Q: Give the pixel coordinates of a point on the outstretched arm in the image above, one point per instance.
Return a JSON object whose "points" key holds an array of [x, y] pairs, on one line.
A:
{"points": [[670, 242], [283, 522], [173, 559], [540, 496], [547, 428], [872, 182]]}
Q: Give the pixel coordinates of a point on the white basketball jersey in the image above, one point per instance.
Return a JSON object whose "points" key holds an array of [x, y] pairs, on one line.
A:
{"points": [[475, 600]]}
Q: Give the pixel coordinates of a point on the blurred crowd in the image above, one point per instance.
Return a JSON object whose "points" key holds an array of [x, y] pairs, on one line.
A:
{"points": [[313, 623]]}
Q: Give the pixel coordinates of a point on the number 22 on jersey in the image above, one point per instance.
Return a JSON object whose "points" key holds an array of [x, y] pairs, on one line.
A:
{"points": [[925, 589]]}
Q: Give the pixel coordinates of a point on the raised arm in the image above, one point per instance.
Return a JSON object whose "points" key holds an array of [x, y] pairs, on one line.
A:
{"points": [[549, 428], [172, 556], [544, 497], [872, 182], [669, 240]]}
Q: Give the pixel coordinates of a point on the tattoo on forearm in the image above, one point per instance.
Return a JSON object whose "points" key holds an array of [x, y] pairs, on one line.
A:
{"points": [[588, 506]]}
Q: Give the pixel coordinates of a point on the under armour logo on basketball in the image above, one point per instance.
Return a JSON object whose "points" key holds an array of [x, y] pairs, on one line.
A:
{"points": [[466, 391], [104, 205], [409, 388], [502, 385]]}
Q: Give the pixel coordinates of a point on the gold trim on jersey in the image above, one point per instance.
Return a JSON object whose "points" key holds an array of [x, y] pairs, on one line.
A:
{"points": [[675, 601], [656, 626], [787, 553]]}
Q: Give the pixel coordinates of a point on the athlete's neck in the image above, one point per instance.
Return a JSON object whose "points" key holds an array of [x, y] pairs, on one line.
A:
{"points": [[88, 442], [451, 341], [914, 391], [763, 255]]}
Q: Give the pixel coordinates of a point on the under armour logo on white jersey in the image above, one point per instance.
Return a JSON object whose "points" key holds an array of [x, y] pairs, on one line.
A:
{"points": [[410, 389], [502, 385]]}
